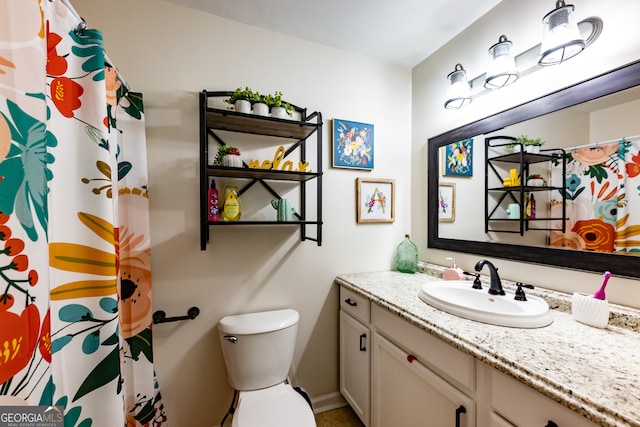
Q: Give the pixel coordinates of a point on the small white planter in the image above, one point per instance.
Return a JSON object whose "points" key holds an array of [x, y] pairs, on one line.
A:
{"points": [[535, 149], [279, 112], [536, 182], [242, 106], [260, 109], [231, 161]]}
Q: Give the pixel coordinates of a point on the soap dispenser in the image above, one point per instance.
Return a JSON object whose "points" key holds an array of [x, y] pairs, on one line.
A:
{"points": [[453, 273]]}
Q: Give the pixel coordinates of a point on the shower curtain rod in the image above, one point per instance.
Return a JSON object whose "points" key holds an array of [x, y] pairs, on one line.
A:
{"points": [[597, 144], [82, 25]]}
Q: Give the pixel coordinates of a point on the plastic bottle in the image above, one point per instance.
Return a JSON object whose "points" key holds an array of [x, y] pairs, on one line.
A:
{"points": [[532, 202], [453, 273], [531, 207], [407, 256], [212, 202], [231, 206]]}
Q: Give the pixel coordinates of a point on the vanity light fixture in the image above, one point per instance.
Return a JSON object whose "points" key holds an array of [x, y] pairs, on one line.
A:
{"points": [[459, 93], [502, 69], [561, 38]]}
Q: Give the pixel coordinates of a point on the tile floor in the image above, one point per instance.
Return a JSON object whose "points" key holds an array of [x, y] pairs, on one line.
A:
{"points": [[341, 417]]}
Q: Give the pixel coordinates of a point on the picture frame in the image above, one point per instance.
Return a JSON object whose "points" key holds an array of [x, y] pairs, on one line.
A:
{"points": [[352, 145], [446, 202], [375, 200], [458, 158]]}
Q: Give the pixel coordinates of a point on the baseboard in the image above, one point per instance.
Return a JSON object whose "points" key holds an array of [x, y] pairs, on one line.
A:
{"points": [[327, 402]]}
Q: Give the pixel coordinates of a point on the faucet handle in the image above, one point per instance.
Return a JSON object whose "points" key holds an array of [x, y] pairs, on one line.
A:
{"points": [[476, 281], [477, 284], [520, 295]]}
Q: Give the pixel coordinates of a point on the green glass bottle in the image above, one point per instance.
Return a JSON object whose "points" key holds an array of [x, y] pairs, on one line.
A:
{"points": [[407, 256]]}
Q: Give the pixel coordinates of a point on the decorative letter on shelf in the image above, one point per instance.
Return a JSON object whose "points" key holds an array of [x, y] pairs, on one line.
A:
{"points": [[287, 165]]}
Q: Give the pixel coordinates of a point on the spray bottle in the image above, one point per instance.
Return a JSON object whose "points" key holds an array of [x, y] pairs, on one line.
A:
{"points": [[213, 209]]}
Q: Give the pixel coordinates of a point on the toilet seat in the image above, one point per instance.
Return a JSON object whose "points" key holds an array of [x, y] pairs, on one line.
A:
{"points": [[277, 406]]}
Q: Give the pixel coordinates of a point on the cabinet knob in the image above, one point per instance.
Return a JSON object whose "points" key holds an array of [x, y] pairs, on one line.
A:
{"points": [[351, 303], [551, 424], [411, 358]]}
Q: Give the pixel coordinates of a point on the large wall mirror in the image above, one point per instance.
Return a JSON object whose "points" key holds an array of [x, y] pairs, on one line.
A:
{"points": [[602, 109]]}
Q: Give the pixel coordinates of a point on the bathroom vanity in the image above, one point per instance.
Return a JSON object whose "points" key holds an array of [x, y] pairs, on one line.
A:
{"points": [[403, 362]]}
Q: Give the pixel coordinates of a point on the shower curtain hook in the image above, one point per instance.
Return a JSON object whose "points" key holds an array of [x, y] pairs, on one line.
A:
{"points": [[82, 25]]}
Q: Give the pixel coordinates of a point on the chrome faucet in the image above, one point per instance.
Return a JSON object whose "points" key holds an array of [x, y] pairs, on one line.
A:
{"points": [[496, 284]]}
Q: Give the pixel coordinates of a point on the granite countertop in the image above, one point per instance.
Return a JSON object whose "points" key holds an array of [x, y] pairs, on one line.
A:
{"points": [[592, 371]]}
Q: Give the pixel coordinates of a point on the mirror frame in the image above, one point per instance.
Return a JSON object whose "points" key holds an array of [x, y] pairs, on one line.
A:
{"points": [[616, 80]]}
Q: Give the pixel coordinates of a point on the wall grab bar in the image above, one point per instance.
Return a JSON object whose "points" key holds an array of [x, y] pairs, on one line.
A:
{"points": [[161, 317]]}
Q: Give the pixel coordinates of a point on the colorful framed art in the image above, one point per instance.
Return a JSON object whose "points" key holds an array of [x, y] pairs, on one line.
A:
{"points": [[375, 200], [352, 145], [446, 202], [458, 158]]}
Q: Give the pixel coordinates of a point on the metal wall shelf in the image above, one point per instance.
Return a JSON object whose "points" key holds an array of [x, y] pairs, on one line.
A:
{"points": [[516, 194], [212, 119]]}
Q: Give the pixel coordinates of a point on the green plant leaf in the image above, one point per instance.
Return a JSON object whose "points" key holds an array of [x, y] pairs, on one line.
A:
{"points": [[135, 107], [74, 313], [58, 344], [141, 343], [103, 373], [91, 342], [72, 416]]}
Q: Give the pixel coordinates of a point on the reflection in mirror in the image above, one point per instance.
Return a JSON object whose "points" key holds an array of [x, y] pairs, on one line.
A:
{"points": [[588, 121]]}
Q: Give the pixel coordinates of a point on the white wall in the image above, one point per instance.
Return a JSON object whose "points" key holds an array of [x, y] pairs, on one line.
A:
{"points": [[520, 21], [170, 53]]}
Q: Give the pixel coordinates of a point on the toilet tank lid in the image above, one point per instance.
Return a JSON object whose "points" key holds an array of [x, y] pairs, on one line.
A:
{"points": [[258, 323]]}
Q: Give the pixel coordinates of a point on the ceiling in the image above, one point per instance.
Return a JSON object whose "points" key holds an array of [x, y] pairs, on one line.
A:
{"points": [[403, 32]]}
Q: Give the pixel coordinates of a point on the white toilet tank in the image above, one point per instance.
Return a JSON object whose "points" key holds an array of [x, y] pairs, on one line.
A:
{"points": [[258, 347]]}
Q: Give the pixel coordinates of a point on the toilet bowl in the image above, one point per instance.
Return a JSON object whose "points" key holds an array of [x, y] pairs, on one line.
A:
{"points": [[277, 406], [258, 350]]}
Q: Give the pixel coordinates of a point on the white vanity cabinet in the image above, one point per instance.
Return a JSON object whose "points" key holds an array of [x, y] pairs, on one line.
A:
{"points": [[355, 352], [394, 373]]}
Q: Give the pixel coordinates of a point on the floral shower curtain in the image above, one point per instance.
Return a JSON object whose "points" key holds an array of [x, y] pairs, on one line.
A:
{"points": [[75, 274], [602, 189]]}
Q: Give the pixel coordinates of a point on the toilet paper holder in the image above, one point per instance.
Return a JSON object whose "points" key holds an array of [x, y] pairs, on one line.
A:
{"points": [[161, 317]]}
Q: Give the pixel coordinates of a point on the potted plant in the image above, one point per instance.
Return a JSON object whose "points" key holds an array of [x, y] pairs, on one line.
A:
{"points": [[279, 108], [241, 99], [513, 146], [536, 180], [228, 156], [260, 105], [530, 145]]}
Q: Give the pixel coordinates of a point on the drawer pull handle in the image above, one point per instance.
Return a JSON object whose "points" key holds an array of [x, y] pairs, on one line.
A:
{"points": [[551, 424], [411, 358], [461, 410], [351, 303], [362, 345]]}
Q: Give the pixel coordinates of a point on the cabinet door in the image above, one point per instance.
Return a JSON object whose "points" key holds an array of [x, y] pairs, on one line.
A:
{"points": [[406, 393], [355, 363]]}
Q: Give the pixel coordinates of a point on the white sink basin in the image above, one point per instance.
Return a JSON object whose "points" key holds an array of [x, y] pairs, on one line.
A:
{"points": [[460, 299]]}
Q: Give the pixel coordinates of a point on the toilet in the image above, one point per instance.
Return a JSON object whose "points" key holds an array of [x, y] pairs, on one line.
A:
{"points": [[258, 350]]}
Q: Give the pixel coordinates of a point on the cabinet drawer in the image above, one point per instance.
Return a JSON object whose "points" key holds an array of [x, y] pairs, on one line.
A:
{"points": [[450, 363], [356, 305], [525, 407]]}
